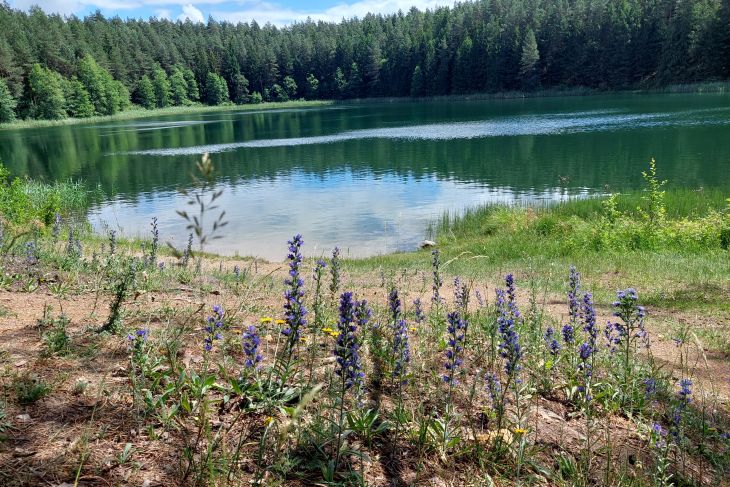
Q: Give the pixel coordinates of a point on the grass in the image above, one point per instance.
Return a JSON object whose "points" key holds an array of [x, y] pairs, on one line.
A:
{"points": [[138, 112]]}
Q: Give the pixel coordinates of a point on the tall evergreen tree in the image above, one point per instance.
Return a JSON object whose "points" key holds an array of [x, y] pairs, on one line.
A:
{"points": [[192, 84], [240, 93], [529, 75], [7, 103], [145, 93], [161, 86], [178, 87], [216, 89]]}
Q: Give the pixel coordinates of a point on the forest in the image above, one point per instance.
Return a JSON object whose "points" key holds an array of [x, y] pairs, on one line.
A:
{"points": [[53, 66]]}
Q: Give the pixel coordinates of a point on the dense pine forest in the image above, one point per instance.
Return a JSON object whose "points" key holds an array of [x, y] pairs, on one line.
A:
{"points": [[52, 67]]}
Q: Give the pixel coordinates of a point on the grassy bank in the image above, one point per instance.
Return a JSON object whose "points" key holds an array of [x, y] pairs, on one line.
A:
{"points": [[138, 112], [130, 362], [707, 87]]}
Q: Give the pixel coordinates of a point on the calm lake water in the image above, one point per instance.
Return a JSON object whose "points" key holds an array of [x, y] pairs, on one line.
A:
{"points": [[370, 177]]}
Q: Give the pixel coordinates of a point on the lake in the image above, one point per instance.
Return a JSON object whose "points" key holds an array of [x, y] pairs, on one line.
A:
{"points": [[370, 177]]}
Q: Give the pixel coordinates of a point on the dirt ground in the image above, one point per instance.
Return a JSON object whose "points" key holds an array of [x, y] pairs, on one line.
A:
{"points": [[80, 429]]}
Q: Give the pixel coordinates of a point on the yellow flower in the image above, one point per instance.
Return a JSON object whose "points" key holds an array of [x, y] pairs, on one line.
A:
{"points": [[413, 328], [327, 329], [520, 431], [280, 322], [303, 339], [268, 420], [266, 320]]}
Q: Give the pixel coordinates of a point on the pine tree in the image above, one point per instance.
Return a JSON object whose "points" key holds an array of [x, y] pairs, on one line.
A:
{"points": [[45, 94], [7, 103], [354, 82], [240, 90], [340, 82], [417, 85], [78, 101], [216, 89], [145, 93], [161, 86], [192, 84], [178, 88], [529, 76]]}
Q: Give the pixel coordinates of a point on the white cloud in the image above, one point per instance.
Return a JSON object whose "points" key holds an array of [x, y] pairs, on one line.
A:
{"points": [[262, 11], [190, 12]]}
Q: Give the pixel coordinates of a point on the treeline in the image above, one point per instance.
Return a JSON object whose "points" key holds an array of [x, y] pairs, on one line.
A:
{"points": [[485, 46]]}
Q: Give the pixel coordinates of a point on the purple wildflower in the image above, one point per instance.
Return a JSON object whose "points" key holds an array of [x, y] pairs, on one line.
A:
{"points": [[31, 253], [437, 283], [494, 387], [251, 342], [294, 310], [237, 272], [568, 334], [650, 387], [461, 294], [551, 342], [455, 347], [347, 347], [213, 327], [394, 304], [335, 271], [658, 436], [112, 242], [401, 350], [509, 316], [573, 294], [480, 298], [418, 311]]}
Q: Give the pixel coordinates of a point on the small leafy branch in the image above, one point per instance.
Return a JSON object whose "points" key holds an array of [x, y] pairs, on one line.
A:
{"points": [[656, 210], [204, 197]]}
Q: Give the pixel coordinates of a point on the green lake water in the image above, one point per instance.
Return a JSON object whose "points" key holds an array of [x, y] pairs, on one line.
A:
{"points": [[370, 177]]}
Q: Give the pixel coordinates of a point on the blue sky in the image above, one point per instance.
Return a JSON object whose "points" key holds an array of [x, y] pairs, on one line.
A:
{"points": [[279, 12]]}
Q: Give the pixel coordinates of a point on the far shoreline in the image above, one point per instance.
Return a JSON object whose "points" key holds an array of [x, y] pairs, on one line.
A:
{"points": [[136, 112]]}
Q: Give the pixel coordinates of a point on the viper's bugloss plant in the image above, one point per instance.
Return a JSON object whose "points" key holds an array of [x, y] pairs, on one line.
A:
{"points": [[551, 342], [461, 295], [31, 253], [347, 356], [335, 271], [401, 351], [112, 242], [347, 346], [437, 283], [683, 399], [419, 317], [625, 335], [154, 243], [251, 343], [455, 347], [56, 230], [507, 320], [294, 310], [213, 327]]}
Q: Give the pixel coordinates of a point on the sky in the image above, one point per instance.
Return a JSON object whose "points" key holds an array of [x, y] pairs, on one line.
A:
{"points": [[278, 12]]}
